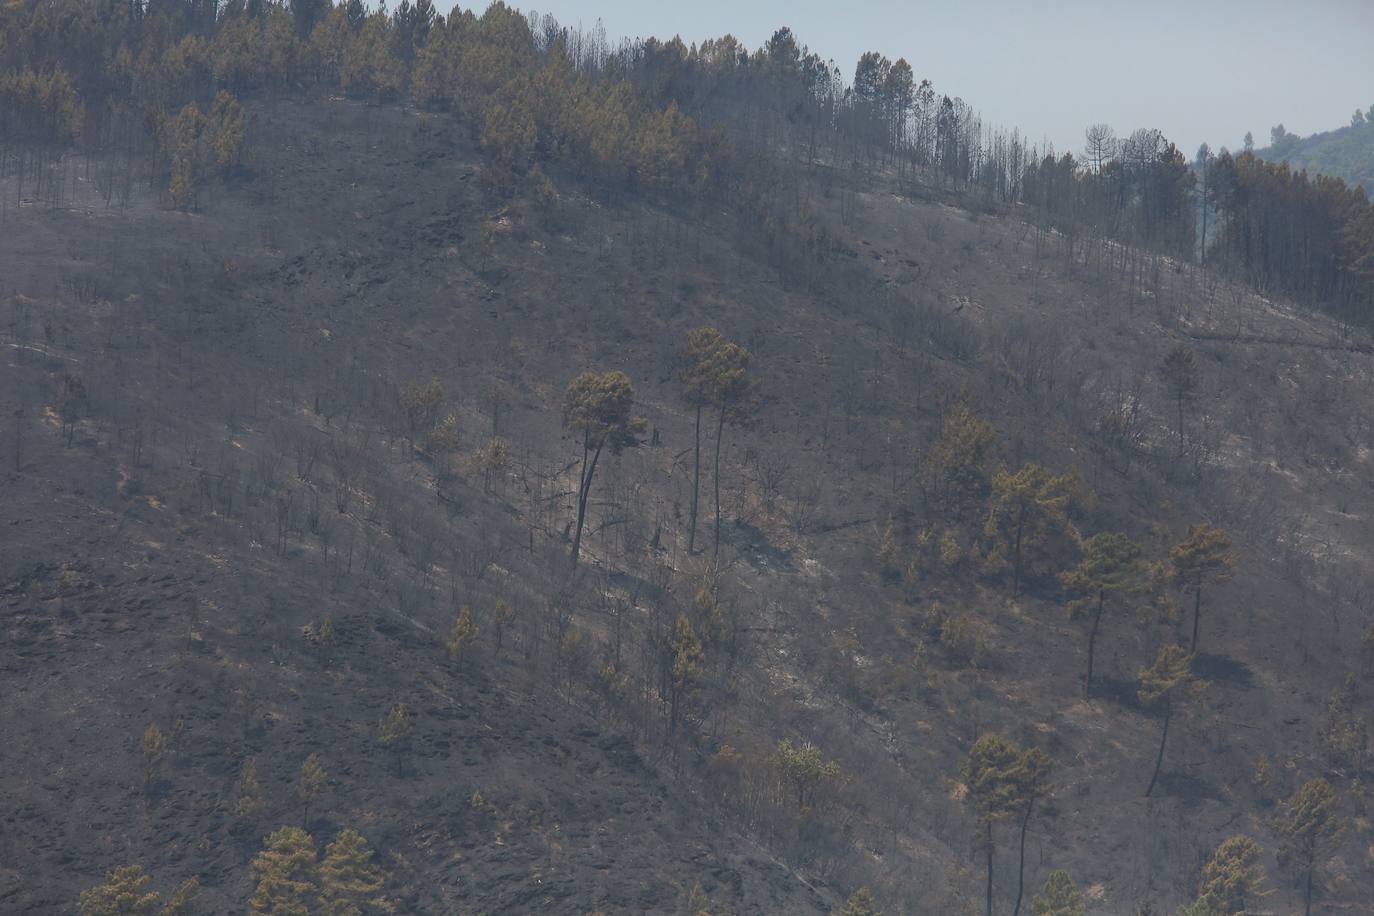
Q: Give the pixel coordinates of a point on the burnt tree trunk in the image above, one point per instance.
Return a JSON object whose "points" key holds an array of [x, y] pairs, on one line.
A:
{"points": [[1197, 610], [988, 840], [1021, 866], [583, 491], [720, 433], [1092, 646], [696, 483], [1164, 737]]}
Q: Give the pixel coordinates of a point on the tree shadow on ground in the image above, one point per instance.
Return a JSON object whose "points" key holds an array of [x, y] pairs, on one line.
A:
{"points": [[1187, 787], [1223, 669], [1118, 690], [756, 549]]}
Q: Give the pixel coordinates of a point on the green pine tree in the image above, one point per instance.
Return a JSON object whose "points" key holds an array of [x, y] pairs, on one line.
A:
{"points": [[394, 732], [1164, 682], [124, 893], [1232, 880], [596, 408], [311, 783], [248, 801], [350, 882], [285, 871], [860, 903], [462, 634], [1059, 896], [1202, 557], [1310, 823], [1110, 566]]}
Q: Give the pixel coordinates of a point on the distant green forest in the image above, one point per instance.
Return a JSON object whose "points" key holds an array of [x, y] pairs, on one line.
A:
{"points": [[1346, 153]]}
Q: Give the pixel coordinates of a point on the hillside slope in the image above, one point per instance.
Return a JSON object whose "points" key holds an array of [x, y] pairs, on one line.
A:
{"points": [[140, 590], [240, 467]]}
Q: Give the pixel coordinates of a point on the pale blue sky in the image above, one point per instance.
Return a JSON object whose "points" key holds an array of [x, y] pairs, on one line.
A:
{"points": [[1201, 70]]}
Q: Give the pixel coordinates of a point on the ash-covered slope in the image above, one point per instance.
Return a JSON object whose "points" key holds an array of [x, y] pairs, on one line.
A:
{"points": [[239, 463]]}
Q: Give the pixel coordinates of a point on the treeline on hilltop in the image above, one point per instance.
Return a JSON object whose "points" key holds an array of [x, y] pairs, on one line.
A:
{"points": [[1308, 237], [676, 120], [1346, 152], [81, 73]]}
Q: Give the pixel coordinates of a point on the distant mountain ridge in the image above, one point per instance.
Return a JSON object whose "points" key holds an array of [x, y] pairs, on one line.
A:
{"points": [[1346, 153]]}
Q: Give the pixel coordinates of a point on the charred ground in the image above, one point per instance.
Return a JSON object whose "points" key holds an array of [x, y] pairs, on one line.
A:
{"points": [[239, 468]]}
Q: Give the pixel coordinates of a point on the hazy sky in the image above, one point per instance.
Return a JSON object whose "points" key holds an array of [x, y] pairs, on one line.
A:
{"points": [[1198, 70]]}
